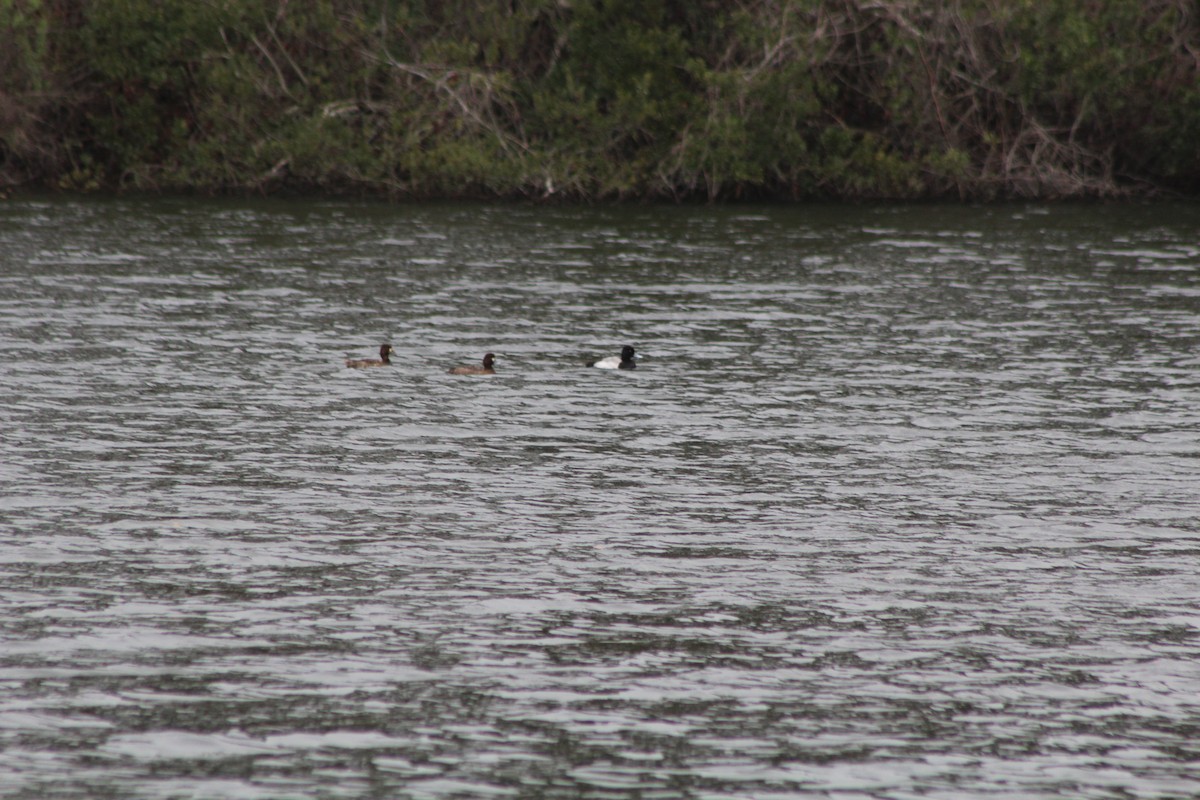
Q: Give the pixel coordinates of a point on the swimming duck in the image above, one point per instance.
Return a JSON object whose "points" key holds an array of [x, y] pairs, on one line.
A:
{"points": [[487, 369], [625, 361], [385, 350]]}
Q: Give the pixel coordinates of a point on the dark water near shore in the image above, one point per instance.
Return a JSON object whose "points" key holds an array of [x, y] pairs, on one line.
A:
{"points": [[900, 502]]}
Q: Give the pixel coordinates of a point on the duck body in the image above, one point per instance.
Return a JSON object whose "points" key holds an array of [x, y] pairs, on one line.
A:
{"points": [[487, 368], [385, 350], [623, 361]]}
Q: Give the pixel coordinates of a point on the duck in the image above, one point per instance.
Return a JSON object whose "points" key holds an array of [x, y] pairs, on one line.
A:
{"points": [[488, 367], [624, 361], [385, 350]]}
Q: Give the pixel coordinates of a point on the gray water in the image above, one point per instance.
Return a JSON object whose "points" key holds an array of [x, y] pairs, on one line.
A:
{"points": [[900, 502]]}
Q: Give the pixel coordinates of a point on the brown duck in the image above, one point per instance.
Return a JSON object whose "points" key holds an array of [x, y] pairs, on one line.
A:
{"points": [[385, 350], [488, 367]]}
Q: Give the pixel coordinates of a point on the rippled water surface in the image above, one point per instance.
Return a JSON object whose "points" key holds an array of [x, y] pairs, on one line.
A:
{"points": [[899, 502]]}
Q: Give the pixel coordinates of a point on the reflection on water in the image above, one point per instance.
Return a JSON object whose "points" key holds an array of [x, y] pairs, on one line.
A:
{"points": [[900, 501]]}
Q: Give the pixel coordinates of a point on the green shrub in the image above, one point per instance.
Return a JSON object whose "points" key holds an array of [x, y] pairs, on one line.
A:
{"points": [[604, 98]]}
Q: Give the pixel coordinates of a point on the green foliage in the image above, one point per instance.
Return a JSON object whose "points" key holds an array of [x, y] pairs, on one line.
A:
{"points": [[143, 56], [24, 28], [603, 98], [622, 89], [27, 76], [1114, 77], [760, 119]]}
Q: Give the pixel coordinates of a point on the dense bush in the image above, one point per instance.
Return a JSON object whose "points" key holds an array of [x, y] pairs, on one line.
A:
{"points": [[593, 99]]}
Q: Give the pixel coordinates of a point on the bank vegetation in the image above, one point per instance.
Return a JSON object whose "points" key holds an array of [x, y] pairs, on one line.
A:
{"points": [[604, 99]]}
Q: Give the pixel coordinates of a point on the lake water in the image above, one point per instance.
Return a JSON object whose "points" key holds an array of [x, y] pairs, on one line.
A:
{"points": [[900, 502]]}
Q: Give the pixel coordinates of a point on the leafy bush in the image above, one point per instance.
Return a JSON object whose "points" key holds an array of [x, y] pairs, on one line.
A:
{"points": [[604, 98]]}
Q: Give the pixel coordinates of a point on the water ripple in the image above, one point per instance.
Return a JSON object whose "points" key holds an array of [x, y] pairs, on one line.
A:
{"points": [[900, 501]]}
